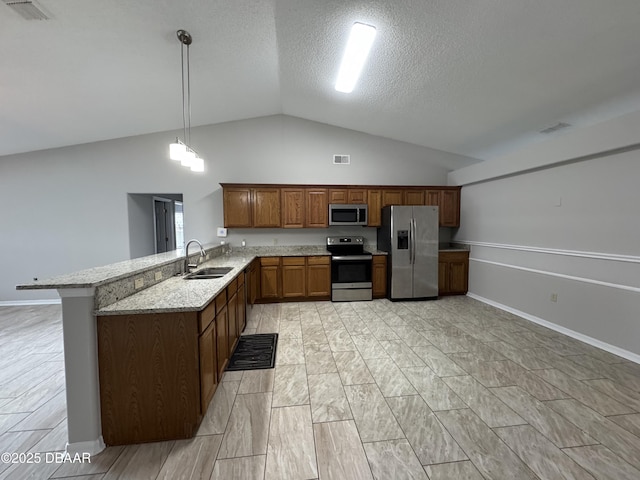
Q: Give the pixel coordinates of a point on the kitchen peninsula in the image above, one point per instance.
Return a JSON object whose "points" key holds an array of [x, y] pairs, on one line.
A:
{"points": [[183, 331]]}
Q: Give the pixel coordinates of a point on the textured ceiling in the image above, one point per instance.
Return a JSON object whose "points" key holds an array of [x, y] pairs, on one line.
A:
{"points": [[476, 78]]}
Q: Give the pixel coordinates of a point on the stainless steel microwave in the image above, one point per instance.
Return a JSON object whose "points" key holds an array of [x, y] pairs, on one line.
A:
{"points": [[345, 214]]}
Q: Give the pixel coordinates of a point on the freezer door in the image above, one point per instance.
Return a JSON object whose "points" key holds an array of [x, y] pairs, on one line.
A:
{"points": [[401, 269], [425, 252]]}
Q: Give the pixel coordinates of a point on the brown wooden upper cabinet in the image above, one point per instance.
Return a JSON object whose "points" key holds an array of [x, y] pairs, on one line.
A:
{"points": [[246, 207], [266, 207], [414, 197], [374, 202], [293, 201], [237, 207], [306, 206], [392, 197], [317, 211], [348, 195], [449, 202]]}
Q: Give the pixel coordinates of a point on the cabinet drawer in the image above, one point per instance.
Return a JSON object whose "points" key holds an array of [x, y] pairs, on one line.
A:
{"points": [[221, 301], [286, 261], [322, 260], [270, 261], [240, 279], [206, 316]]}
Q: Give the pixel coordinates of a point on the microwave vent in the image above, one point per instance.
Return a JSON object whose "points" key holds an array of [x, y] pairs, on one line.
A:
{"points": [[26, 9], [341, 159]]}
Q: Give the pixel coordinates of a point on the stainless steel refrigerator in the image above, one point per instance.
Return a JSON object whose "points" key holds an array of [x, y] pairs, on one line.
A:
{"points": [[409, 234]]}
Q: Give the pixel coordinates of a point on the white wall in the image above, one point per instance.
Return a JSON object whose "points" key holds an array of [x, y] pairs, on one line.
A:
{"points": [[572, 229], [141, 228], [66, 209]]}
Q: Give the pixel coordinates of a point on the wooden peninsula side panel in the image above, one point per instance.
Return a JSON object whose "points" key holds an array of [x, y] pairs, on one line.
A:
{"points": [[149, 377]]}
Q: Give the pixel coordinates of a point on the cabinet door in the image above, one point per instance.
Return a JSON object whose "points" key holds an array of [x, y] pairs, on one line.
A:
{"points": [[292, 207], [357, 195], [319, 276], [254, 281], [414, 197], [237, 207], [317, 211], [374, 201], [432, 198], [208, 370], [232, 322], [266, 207], [450, 208], [293, 277], [443, 277], [222, 340], [269, 277], [379, 276], [338, 195], [458, 276], [241, 316], [392, 197]]}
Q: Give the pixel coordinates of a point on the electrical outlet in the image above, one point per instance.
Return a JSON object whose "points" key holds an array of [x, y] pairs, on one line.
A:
{"points": [[221, 232], [138, 283], [554, 297], [158, 275]]}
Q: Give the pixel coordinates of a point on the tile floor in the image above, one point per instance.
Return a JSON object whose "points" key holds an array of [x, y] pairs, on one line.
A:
{"points": [[452, 389]]}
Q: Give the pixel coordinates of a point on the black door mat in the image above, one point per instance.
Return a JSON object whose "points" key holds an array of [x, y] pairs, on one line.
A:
{"points": [[254, 352]]}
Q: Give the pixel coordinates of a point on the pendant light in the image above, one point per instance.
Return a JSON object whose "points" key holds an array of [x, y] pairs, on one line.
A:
{"points": [[181, 150]]}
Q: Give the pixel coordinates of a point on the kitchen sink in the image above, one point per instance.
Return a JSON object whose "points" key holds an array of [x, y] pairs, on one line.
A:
{"points": [[207, 273]]}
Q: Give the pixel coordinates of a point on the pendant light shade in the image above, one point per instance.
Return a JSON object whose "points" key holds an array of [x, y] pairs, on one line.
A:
{"points": [[188, 158], [197, 165], [181, 150], [177, 150]]}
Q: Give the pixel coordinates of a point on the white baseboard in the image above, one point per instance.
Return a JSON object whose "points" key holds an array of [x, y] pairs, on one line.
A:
{"points": [[92, 447], [570, 333], [22, 303]]}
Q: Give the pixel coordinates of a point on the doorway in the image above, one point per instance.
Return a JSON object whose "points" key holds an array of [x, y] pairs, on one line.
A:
{"points": [[156, 223]]}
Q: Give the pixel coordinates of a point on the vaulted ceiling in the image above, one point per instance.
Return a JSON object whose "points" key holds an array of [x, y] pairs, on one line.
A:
{"points": [[472, 77]]}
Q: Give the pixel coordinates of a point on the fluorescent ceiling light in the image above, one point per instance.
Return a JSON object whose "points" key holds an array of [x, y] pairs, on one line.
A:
{"points": [[355, 54]]}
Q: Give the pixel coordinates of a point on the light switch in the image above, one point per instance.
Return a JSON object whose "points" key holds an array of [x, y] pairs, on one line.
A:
{"points": [[222, 232]]}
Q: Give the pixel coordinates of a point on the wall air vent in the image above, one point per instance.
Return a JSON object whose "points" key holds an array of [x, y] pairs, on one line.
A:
{"points": [[555, 128], [341, 159], [26, 9]]}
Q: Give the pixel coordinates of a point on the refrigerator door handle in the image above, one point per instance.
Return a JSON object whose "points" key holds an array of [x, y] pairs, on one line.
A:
{"points": [[411, 232], [413, 240]]}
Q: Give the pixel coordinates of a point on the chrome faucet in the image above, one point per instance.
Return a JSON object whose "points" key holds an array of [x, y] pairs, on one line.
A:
{"points": [[188, 266]]}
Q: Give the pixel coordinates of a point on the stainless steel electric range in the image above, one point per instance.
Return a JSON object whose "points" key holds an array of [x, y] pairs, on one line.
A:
{"points": [[350, 269]]}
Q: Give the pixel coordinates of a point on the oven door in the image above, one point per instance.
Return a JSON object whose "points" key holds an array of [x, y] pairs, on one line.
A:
{"points": [[351, 277]]}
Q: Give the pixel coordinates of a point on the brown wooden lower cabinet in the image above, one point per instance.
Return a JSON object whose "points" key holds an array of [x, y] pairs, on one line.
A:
{"points": [[159, 372], [379, 276], [319, 277], [208, 366], [270, 278], [295, 278], [453, 272]]}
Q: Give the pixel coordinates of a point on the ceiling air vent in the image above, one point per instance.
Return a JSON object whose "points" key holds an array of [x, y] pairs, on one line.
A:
{"points": [[555, 128], [26, 9], [341, 159]]}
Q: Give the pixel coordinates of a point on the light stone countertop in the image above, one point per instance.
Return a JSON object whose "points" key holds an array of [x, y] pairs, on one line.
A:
{"points": [[179, 295]]}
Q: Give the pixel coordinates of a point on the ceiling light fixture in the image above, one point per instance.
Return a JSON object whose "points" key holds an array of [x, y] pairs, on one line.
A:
{"points": [[355, 55], [181, 150]]}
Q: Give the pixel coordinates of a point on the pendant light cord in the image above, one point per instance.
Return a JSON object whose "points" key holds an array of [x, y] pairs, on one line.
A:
{"points": [[189, 92], [184, 119]]}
